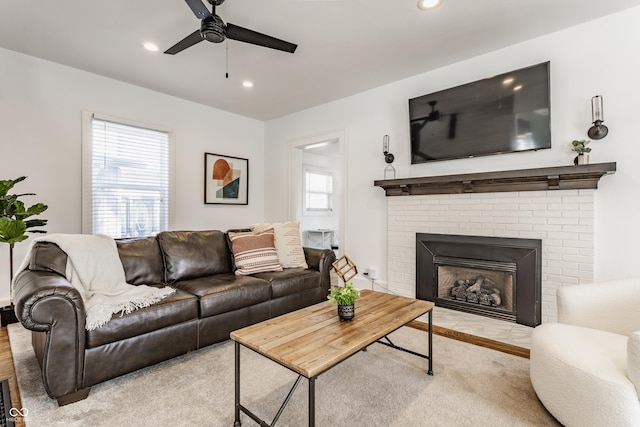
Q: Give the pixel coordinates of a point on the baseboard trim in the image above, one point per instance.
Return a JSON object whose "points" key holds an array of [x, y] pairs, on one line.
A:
{"points": [[472, 339]]}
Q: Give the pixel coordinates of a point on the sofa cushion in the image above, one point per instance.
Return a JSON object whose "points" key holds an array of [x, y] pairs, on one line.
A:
{"points": [[176, 308], [226, 292], [291, 280], [191, 254], [142, 260], [254, 252], [287, 241]]}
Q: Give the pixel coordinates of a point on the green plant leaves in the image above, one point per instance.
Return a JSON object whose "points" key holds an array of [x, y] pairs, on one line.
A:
{"points": [[12, 231], [580, 146], [343, 295], [14, 214]]}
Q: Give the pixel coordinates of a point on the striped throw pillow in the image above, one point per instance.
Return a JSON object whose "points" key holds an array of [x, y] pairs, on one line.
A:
{"points": [[287, 241], [254, 252]]}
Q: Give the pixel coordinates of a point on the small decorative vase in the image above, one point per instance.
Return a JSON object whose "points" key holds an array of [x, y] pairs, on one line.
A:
{"points": [[346, 312], [581, 159]]}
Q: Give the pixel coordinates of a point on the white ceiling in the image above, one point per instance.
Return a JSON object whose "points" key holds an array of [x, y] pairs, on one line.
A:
{"points": [[344, 46]]}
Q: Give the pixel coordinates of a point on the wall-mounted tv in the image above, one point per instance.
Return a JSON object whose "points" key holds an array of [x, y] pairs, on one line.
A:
{"points": [[502, 114]]}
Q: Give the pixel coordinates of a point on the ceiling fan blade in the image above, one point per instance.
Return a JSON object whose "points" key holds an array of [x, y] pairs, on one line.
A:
{"points": [[186, 42], [198, 8], [235, 32]]}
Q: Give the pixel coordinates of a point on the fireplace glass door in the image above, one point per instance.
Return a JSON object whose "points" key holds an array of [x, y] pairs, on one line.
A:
{"points": [[475, 286]]}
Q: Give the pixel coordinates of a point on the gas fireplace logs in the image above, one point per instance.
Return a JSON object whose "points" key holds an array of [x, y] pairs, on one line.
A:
{"points": [[480, 291]]}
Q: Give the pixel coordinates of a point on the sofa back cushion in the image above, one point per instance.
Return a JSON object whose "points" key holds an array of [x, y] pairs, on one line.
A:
{"points": [[142, 260], [192, 254]]}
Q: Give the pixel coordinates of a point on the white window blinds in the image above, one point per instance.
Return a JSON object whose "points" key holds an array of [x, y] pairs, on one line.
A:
{"points": [[128, 179], [318, 190]]}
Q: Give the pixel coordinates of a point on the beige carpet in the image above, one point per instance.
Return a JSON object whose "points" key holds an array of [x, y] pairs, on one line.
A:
{"points": [[471, 386]]}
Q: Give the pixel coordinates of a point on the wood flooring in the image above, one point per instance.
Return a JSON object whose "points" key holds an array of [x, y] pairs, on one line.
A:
{"points": [[7, 371]]}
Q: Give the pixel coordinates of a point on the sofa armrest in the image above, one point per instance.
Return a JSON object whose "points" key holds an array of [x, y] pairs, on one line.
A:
{"points": [[321, 260], [47, 303], [610, 306]]}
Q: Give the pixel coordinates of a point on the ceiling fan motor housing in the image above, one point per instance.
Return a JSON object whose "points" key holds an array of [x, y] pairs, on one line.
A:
{"points": [[213, 29]]}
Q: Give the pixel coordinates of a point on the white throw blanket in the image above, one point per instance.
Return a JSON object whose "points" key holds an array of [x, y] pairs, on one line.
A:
{"points": [[95, 270]]}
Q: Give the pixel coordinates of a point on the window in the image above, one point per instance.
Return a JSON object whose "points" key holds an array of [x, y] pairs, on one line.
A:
{"points": [[318, 190], [126, 170]]}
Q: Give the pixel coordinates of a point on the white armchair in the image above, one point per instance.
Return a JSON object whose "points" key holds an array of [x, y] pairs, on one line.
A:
{"points": [[585, 369]]}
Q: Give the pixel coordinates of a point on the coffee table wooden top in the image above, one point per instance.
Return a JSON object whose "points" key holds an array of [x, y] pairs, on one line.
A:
{"points": [[313, 339]]}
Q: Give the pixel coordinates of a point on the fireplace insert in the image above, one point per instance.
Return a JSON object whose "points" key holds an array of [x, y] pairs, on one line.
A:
{"points": [[490, 276]]}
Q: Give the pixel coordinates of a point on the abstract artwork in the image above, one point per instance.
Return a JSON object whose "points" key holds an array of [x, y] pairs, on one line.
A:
{"points": [[226, 180]]}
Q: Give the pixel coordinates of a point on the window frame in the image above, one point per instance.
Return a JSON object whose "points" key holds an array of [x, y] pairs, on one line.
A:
{"points": [[319, 170], [87, 165]]}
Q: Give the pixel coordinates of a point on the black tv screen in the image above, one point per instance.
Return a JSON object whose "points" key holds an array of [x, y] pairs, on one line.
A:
{"points": [[501, 114]]}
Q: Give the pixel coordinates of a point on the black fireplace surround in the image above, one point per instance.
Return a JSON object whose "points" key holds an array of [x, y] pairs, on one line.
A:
{"points": [[520, 259]]}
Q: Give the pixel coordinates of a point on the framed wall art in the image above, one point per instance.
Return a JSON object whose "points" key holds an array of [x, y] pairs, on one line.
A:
{"points": [[226, 180]]}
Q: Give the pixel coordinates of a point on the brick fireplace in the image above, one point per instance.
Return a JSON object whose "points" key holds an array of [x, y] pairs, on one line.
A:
{"points": [[559, 215]]}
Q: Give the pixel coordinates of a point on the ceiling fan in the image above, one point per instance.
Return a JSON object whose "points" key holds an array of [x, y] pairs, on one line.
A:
{"points": [[213, 29]]}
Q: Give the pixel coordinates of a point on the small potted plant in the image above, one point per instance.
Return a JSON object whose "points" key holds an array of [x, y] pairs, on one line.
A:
{"points": [[580, 147], [345, 297]]}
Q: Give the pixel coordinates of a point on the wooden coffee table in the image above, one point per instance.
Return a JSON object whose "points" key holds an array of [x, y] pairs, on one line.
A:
{"points": [[312, 340]]}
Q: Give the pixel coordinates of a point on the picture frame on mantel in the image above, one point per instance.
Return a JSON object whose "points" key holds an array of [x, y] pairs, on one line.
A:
{"points": [[226, 180]]}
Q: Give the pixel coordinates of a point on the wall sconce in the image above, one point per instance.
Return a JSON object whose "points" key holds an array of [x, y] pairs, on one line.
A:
{"points": [[389, 171], [598, 130]]}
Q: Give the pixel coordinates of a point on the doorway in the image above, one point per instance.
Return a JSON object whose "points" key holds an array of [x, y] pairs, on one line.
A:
{"points": [[316, 190]]}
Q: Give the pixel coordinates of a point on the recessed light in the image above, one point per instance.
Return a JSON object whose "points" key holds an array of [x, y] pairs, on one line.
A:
{"points": [[151, 47], [427, 4], [517, 88], [247, 83], [508, 81]]}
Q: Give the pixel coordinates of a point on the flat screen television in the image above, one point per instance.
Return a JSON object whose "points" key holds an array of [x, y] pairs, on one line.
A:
{"points": [[502, 114]]}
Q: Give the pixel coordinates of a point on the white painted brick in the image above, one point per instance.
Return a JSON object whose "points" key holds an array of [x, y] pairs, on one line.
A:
{"points": [[567, 252], [480, 219], [564, 221], [548, 214], [577, 228], [493, 226], [547, 227], [519, 227], [535, 207], [553, 270], [578, 243], [533, 220], [577, 199]]}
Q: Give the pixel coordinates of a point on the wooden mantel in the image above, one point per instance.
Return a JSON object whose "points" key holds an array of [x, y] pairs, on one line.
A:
{"points": [[539, 179]]}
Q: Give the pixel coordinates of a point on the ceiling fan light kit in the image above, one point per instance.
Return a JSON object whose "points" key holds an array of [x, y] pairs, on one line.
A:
{"points": [[213, 29]]}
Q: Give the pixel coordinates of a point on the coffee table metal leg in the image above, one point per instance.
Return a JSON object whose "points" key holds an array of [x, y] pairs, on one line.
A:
{"points": [[312, 402], [430, 371], [237, 422]]}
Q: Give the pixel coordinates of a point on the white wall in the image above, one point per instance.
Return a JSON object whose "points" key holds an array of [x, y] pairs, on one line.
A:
{"points": [[594, 58], [40, 136]]}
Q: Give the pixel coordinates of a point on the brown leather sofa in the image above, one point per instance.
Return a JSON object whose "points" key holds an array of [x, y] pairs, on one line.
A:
{"points": [[210, 302]]}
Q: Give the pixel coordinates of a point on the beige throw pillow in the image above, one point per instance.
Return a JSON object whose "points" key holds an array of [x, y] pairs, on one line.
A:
{"points": [[287, 241], [254, 252]]}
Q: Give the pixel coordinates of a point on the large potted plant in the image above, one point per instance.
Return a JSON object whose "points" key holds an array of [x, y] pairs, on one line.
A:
{"points": [[13, 228], [345, 297]]}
